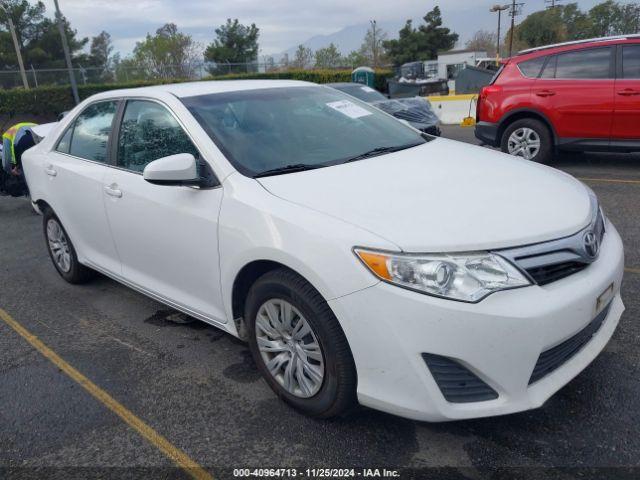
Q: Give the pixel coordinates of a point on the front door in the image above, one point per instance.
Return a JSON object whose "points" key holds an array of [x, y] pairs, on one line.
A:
{"points": [[626, 121], [167, 236], [575, 91]]}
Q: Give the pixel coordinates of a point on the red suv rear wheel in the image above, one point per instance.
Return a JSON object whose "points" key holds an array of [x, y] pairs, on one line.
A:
{"points": [[528, 138]]}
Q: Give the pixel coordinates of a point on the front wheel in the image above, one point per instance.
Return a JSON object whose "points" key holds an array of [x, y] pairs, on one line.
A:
{"points": [[298, 345], [530, 139]]}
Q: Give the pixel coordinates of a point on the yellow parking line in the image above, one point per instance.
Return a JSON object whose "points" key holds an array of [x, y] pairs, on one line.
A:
{"points": [[175, 454], [632, 270], [609, 180]]}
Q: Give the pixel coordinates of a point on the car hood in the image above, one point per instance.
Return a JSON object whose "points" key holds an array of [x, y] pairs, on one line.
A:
{"points": [[415, 110], [444, 196]]}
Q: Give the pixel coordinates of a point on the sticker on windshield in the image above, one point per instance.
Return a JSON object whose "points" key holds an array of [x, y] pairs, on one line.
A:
{"points": [[367, 89], [349, 109]]}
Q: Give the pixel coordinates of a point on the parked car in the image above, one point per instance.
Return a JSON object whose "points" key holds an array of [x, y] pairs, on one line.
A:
{"points": [[415, 110], [361, 259], [574, 96]]}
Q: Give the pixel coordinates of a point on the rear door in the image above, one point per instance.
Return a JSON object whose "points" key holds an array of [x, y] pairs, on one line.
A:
{"points": [[166, 236], [76, 168], [575, 91], [626, 122]]}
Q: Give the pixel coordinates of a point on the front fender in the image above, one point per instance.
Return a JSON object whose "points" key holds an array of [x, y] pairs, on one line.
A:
{"points": [[256, 225]]}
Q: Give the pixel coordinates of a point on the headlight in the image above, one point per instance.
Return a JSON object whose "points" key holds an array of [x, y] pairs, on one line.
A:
{"points": [[465, 277]]}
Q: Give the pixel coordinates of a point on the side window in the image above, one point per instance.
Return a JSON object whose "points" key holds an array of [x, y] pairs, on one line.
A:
{"points": [[584, 64], [531, 68], [631, 61], [88, 136], [149, 132]]}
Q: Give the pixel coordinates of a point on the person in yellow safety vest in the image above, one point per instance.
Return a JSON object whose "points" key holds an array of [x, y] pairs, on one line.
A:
{"points": [[15, 141]]}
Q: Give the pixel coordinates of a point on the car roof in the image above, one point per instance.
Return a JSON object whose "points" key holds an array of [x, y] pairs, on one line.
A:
{"points": [[192, 89], [574, 45]]}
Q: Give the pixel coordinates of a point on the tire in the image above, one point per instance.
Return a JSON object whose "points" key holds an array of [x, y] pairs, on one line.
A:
{"points": [[335, 394], [69, 268], [531, 129]]}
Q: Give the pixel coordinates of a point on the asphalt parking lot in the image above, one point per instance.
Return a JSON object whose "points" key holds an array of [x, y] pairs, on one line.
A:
{"points": [[192, 393]]}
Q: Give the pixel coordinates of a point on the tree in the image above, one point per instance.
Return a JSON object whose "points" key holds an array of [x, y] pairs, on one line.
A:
{"points": [[422, 43], [355, 59], [605, 18], [100, 57], [577, 24], [302, 58], [542, 28], [234, 43], [483, 41], [372, 49], [100, 50], [26, 18], [568, 22], [167, 54], [328, 57], [613, 18], [45, 50], [629, 19]]}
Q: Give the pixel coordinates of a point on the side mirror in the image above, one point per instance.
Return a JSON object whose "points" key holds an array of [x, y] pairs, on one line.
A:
{"points": [[176, 170]]}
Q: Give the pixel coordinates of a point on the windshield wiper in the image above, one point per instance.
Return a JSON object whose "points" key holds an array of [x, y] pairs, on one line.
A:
{"points": [[381, 151], [296, 167]]}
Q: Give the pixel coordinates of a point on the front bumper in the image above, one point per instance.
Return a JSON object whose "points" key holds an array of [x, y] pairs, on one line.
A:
{"points": [[487, 133], [499, 339]]}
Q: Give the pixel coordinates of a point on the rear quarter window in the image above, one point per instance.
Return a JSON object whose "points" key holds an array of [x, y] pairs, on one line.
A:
{"points": [[531, 68]]}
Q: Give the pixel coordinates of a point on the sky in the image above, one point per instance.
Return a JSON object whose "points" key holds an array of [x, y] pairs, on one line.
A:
{"points": [[283, 23]]}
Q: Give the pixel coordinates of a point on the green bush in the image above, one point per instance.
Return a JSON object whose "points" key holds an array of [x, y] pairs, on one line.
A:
{"points": [[57, 99], [53, 99], [316, 76]]}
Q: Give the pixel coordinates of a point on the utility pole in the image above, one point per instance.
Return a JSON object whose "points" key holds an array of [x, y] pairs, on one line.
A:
{"points": [[514, 10], [374, 47], [67, 55], [16, 45], [552, 3], [499, 9]]}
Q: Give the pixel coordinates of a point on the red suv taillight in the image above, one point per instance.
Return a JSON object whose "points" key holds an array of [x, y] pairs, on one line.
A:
{"points": [[484, 93]]}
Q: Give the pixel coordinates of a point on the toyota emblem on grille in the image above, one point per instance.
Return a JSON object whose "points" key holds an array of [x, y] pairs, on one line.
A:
{"points": [[591, 244]]}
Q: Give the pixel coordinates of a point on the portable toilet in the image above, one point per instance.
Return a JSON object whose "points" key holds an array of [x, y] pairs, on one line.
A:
{"points": [[364, 75]]}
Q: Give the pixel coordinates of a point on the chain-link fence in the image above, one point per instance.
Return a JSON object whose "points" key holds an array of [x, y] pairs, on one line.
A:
{"points": [[124, 73]]}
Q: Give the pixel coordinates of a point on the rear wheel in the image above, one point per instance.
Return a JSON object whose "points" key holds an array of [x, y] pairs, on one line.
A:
{"points": [[298, 345], [62, 253], [528, 138]]}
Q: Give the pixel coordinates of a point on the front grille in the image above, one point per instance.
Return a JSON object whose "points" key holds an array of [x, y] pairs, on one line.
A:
{"points": [[553, 358], [553, 260], [457, 383], [551, 273]]}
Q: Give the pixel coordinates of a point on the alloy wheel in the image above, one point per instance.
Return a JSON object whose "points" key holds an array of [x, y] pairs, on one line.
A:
{"points": [[524, 142], [289, 348], [59, 246]]}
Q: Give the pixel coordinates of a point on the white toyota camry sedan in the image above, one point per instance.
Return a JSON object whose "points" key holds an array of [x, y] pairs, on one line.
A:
{"points": [[362, 260]]}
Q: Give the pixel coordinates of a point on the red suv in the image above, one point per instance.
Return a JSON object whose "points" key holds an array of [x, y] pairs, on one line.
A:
{"points": [[574, 96]]}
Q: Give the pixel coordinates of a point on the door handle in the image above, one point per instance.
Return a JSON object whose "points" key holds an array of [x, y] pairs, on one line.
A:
{"points": [[49, 170], [113, 191], [627, 92], [545, 93]]}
